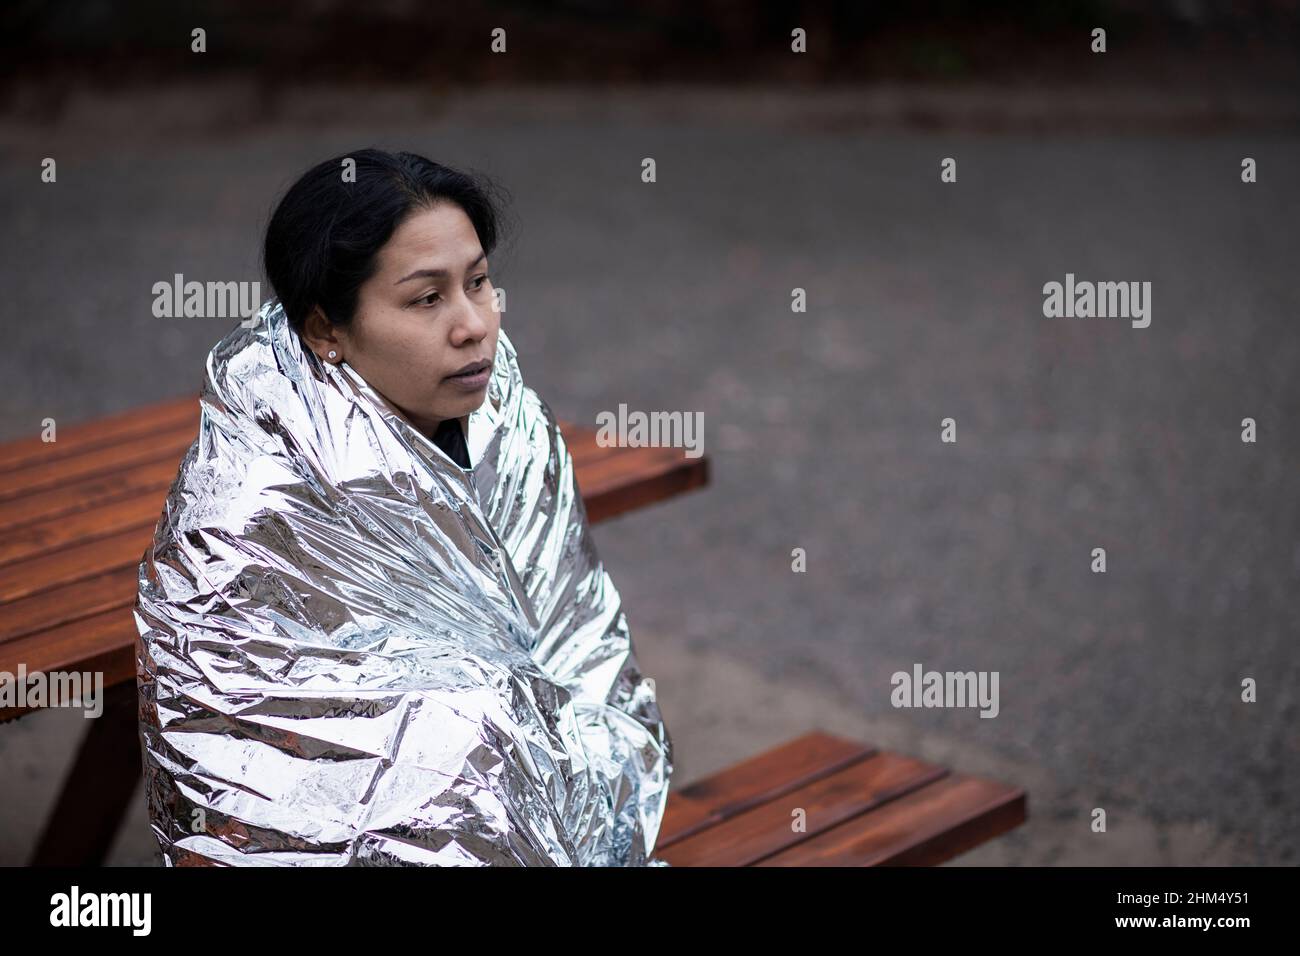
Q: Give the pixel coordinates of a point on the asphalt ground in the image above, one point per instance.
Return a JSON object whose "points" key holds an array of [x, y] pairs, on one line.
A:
{"points": [[1119, 690]]}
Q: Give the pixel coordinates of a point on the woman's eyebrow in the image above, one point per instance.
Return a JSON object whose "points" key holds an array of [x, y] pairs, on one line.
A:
{"points": [[437, 273]]}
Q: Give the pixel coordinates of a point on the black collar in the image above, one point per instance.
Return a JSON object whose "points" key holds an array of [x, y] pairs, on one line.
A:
{"points": [[450, 437]]}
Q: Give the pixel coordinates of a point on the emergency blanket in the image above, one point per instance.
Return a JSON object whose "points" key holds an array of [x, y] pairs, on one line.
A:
{"points": [[354, 652]]}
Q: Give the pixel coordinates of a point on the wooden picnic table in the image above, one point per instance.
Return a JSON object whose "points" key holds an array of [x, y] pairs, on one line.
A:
{"points": [[76, 516]]}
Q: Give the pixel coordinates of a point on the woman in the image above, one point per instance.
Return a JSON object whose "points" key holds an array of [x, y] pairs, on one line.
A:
{"points": [[374, 629]]}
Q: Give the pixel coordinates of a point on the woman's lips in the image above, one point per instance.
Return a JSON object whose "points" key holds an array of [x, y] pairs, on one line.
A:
{"points": [[473, 381]]}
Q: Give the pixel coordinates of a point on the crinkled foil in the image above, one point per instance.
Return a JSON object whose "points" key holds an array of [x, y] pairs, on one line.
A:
{"points": [[353, 652]]}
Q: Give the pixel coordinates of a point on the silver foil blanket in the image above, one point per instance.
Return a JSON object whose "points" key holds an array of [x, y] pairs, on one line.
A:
{"points": [[354, 652]]}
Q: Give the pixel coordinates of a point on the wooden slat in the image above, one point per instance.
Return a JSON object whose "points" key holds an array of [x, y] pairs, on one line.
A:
{"points": [[923, 828], [65, 604], [82, 527], [105, 461], [149, 482], [751, 782], [767, 829], [99, 433], [72, 564]]}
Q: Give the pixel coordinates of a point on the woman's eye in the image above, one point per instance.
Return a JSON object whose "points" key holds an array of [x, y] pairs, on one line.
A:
{"points": [[480, 280], [427, 296]]}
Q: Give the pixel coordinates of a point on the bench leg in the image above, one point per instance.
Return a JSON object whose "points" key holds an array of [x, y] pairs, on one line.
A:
{"points": [[94, 798]]}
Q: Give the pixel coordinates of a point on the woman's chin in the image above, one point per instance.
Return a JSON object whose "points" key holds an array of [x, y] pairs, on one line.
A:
{"points": [[455, 408]]}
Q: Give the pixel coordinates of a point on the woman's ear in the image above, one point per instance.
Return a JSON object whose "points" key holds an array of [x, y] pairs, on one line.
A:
{"points": [[319, 335]]}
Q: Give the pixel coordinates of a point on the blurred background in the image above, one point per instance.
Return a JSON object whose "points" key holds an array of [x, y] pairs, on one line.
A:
{"points": [[779, 170]]}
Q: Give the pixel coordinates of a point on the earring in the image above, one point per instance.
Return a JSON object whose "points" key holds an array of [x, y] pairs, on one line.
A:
{"points": [[333, 353]]}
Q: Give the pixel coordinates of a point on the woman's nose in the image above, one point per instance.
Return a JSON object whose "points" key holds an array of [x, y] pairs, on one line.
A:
{"points": [[470, 319]]}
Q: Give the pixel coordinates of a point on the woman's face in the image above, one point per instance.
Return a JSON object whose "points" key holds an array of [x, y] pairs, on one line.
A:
{"points": [[424, 315]]}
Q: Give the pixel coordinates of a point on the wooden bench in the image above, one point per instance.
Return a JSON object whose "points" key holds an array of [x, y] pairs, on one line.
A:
{"points": [[76, 516], [860, 807]]}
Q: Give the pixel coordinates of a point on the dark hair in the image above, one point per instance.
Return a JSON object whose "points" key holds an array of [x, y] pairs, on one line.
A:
{"points": [[325, 234]]}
